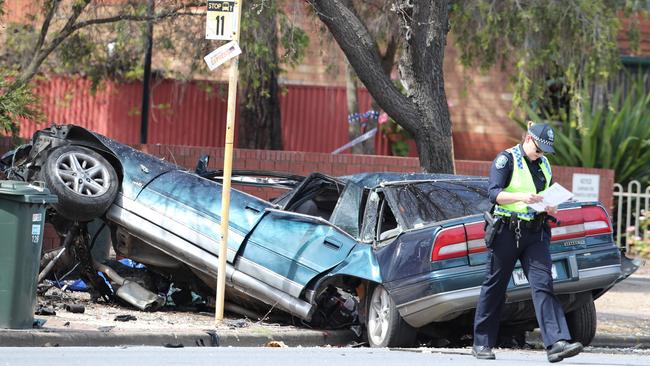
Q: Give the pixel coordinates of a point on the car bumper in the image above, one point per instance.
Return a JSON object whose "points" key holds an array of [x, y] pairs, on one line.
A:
{"points": [[448, 305]]}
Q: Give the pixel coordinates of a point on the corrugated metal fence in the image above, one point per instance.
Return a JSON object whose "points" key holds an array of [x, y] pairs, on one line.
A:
{"points": [[314, 119]]}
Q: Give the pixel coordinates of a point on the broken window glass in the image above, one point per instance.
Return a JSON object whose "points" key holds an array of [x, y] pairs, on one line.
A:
{"points": [[370, 217], [387, 226], [426, 202], [346, 213]]}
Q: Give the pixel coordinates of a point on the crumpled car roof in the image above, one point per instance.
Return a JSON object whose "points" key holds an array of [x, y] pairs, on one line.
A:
{"points": [[371, 180]]}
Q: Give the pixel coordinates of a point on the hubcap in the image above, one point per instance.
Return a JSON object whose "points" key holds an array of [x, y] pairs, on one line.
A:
{"points": [[83, 174], [378, 318]]}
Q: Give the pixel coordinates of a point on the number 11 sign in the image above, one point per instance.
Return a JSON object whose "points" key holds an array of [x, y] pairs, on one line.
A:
{"points": [[221, 20]]}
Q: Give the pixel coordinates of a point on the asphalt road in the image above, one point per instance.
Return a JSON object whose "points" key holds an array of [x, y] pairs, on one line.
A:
{"points": [[141, 356]]}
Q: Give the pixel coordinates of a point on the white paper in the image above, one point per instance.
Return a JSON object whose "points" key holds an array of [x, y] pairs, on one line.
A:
{"points": [[553, 196]]}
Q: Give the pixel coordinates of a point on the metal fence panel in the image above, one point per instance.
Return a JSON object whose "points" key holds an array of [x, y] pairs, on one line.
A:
{"points": [[630, 205]]}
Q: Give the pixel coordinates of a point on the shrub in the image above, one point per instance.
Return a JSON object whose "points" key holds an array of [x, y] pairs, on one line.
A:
{"points": [[640, 244], [615, 136]]}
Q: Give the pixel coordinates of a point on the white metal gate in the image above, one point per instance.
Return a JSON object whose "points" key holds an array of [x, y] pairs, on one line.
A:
{"points": [[629, 204]]}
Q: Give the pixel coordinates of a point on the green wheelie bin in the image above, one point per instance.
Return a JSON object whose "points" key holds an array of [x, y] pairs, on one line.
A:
{"points": [[22, 217]]}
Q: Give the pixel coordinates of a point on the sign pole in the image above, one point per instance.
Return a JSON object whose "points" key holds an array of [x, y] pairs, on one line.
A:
{"points": [[221, 19]]}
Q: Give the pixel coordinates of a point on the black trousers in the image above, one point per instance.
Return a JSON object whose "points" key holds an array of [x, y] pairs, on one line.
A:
{"points": [[535, 258]]}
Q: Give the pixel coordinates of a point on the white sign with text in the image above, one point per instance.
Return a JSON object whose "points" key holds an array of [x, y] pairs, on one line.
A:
{"points": [[222, 54], [586, 187], [221, 20]]}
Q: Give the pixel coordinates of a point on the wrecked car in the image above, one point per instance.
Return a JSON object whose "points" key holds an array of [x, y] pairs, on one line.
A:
{"points": [[402, 254]]}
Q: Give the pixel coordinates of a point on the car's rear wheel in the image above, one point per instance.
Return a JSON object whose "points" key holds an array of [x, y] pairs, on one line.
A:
{"points": [[385, 327], [582, 323], [84, 182]]}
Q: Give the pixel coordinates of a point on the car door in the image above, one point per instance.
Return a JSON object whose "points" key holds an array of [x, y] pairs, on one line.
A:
{"points": [[398, 258], [189, 206], [291, 246]]}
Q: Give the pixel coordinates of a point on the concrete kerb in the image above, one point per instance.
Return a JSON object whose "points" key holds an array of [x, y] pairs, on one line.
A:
{"points": [[603, 340], [234, 338], [207, 338]]}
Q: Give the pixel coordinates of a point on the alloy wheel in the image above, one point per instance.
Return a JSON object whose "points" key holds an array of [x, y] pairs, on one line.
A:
{"points": [[83, 174], [378, 315]]}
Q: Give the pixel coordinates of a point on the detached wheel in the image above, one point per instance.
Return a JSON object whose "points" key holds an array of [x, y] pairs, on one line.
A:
{"points": [[84, 182], [385, 327], [582, 323]]}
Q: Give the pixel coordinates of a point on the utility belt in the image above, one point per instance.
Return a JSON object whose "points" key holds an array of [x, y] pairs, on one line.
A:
{"points": [[495, 224], [534, 225]]}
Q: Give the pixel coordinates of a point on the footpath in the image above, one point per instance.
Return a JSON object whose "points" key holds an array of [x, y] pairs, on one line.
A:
{"points": [[623, 322]]}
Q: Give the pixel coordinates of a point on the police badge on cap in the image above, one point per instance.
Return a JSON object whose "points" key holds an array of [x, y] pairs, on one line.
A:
{"points": [[544, 136]]}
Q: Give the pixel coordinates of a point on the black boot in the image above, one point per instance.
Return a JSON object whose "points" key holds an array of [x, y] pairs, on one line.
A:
{"points": [[483, 353], [563, 349]]}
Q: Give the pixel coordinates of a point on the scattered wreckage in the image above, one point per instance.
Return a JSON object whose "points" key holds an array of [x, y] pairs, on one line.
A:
{"points": [[400, 254]]}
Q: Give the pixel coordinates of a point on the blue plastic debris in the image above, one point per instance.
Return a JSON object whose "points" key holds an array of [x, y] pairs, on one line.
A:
{"points": [[72, 285], [108, 283], [132, 264], [77, 285]]}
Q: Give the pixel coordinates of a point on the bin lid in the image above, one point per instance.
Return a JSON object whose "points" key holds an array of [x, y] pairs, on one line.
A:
{"points": [[26, 192]]}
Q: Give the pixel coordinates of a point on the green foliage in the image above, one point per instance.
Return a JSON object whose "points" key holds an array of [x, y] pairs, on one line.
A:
{"points": [[16, 103], [264, 27], [294, 41], [572, 40], [615, 136], [18, 46], [76, 52], [99, 41], [113, 54]]}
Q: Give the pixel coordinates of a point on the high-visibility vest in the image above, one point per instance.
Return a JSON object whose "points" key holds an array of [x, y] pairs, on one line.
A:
{"points": [[522, 181]]}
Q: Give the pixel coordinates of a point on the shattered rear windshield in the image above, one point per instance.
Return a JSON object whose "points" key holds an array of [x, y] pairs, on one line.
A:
{"points": [[425, 202]]}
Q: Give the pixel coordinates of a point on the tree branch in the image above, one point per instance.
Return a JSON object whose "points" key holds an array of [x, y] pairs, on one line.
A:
{"points": [[41, 54], [170, 13], [43, 51], [363, 54], [54, 5]]}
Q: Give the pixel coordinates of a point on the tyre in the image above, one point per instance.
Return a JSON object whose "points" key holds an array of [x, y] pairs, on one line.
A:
{"points": [[84, 182], [384, 326], [582, 323]]}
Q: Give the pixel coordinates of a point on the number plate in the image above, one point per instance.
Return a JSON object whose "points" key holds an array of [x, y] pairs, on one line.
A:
{"points": [[519, 278]]}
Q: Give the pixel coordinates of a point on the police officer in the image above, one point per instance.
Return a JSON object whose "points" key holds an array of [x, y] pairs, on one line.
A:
{"points": [[517, 177]]}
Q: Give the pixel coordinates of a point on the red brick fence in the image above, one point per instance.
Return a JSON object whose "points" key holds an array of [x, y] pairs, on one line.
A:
{"points": [[303, 163]]}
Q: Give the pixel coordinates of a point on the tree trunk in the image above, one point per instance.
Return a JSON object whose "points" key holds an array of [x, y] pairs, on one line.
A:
{"points": [[387, 64], [260, 105], [260, 117], [423, 58], [423, 112]]}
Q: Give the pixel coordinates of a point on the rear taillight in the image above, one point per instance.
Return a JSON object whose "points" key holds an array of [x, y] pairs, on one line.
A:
{"points": [[579, 222], [596, 221], [476, 237], [449, 243]]}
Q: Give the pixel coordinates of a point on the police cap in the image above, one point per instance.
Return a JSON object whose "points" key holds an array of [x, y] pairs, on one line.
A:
{"points": [[543, 135]]}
